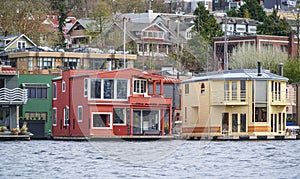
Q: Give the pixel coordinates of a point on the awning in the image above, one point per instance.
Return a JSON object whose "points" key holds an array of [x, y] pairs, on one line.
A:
{"points": [[35, 85]]}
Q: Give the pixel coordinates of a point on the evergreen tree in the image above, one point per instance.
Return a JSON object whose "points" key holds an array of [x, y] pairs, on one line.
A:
{"points": [[273, 25], [251, 9], [206, 24]]}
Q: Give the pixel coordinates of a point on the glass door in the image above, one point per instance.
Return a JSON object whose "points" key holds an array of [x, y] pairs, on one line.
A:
{"points": [[137, 124], [225, 123]]}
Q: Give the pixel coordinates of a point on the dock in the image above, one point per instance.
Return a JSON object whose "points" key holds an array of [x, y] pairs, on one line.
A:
{"points": [[114, 138]]}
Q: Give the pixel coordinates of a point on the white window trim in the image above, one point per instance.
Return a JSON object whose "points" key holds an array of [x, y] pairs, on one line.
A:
{"points": [[110, 120], [55, 91], [102, 89], [63, 86], [146, 91], [54, 108], [21, 42], [85, 90], [78, 117], [67, 107]]}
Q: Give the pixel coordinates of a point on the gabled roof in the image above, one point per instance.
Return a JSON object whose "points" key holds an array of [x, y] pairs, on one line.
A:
{"points": [[15, 38], [239, 74], [84, 23]]}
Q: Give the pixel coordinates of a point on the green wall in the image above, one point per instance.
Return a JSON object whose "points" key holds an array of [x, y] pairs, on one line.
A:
{"points": [[38, 105]]}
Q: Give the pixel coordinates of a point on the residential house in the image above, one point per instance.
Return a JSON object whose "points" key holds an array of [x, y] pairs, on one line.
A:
{"points": [[288, 45], [235, 104], [221, 5], [118, 103], [153, 36], [15, 43], [11, 97], [38, 109], [79, 34]]}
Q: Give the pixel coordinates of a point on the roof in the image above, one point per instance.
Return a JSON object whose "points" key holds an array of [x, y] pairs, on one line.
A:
{"points": [[120, 73], [15, 38], [240, 74]]}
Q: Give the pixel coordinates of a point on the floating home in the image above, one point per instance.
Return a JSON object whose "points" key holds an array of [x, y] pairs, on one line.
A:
{"points": [[235, 104], [125, 103]]}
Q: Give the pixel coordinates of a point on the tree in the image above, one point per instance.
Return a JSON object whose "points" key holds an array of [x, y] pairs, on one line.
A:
{"points": [[292, 70], [131, 6], [102, 15], [246, 57], [273, 25], [206, 24], [21, 17], [251, 9], [196, 54]]}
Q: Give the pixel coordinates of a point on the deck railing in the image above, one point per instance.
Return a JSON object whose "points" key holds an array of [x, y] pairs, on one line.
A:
{"points": [[16, 96]]}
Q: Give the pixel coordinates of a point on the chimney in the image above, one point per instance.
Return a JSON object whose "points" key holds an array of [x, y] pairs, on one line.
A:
{"points": [[109, 64], [259, 68], [281, 69]]}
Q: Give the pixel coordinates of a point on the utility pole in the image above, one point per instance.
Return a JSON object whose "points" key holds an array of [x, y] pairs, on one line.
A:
{"points": [[124, 42], [225, 46]]}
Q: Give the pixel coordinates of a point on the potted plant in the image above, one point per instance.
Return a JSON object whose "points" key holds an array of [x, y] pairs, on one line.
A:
{"points": [[23, 130], [3, 128], [15, 131]]}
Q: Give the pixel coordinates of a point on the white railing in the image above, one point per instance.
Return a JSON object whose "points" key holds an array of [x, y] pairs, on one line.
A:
{"points": [[229, 96], [283, 96], [13, 96]]}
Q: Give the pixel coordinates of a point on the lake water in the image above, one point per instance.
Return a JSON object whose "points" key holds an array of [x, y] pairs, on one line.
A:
{"points": [[156, 159]]}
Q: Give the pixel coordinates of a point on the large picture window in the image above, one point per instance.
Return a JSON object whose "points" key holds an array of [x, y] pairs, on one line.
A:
{"points": [[108, 89], [260, 114], [102, 120], [38, 93]]}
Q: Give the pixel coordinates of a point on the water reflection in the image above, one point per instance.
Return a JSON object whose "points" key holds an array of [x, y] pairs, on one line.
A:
{"points": [[158, 159]]}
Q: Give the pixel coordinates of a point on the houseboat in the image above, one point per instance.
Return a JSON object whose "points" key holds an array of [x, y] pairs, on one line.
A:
{"points": [[125, 103], [235, 104]]}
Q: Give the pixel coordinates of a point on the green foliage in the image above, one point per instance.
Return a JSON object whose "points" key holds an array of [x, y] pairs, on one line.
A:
{"points": [[273, 25], [196, 54], [206, 24], [292, 70], [246, 57], [251, 9]]}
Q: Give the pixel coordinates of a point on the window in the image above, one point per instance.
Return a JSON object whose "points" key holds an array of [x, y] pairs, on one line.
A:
{"points": [[260, 114], [102, 120], [243, 125], [108, 89], [63, 86], [202, 88], [54, 91], [54, 116], [66, 116], [45, 62], [140, 86], [37, 93], [86, 87], [21, 45], [234, 123], [36, 115], [234, 90], [96, 88], [121, 89], [119, 115], [30, 64], [243, 90], [80, 114], [226, 90], [186, 89]]}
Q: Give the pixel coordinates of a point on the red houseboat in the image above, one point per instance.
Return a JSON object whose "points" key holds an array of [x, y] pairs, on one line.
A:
{"points": [[125, 103]]}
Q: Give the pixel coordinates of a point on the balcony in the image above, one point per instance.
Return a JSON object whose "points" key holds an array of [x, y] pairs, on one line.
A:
{"points": [[16, 96], [283, 98], [235, 97]]}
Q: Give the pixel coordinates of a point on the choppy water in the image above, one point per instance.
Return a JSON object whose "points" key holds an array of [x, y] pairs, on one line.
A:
{"points": [[157, 159]]}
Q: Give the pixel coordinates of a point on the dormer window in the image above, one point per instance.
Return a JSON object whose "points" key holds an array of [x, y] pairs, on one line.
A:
{"points": [[21, 45]]}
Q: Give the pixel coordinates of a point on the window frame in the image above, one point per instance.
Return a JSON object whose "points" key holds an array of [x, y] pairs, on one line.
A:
{"points": [[66, 120], [79, 116], [137, 89], [124, 114], [54, 116], [63, 86], [54, 91], [105, 113]]}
